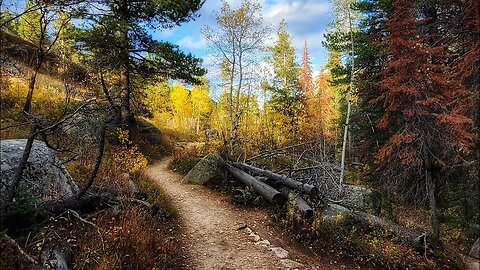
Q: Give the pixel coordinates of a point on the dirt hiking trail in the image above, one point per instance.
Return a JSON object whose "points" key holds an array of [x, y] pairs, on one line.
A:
{"points": [[219, 235]]}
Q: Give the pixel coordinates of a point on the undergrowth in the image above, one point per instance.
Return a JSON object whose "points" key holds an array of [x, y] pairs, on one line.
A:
{"points": [[184, 159], [127, 236]]}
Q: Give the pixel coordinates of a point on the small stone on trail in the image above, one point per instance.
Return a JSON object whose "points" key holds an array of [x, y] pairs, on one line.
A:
{"points": [[248, 230], [241, 226], [289, 264], [263, 243], [280, 252], [254, 237]]}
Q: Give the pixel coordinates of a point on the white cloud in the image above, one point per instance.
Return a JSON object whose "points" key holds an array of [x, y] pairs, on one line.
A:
{"points": [[296, 12], [192, 43]]}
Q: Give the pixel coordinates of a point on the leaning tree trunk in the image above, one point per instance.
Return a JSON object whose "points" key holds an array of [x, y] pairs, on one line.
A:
{"points": [[101, 150], [21, 166], [31, 83]]}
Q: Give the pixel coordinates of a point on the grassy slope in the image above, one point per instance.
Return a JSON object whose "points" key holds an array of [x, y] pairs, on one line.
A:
{"points": [[134, 238]]}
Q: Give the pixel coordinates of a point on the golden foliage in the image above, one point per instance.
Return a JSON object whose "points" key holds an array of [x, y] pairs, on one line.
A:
{"points": [[128, 156]]}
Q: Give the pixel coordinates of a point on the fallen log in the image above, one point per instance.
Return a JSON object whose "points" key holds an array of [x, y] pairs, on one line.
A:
{"points": [[298, 202], [87, 203], [269, 193], [289, 182], [43, 211], [336, 213]]}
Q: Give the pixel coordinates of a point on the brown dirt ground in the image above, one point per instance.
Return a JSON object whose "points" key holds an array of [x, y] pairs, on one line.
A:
{"points": [[211, 236]]}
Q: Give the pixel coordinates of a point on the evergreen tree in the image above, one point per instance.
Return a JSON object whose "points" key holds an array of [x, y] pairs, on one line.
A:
{"points": [[118, 40], [426, 135], [306, 77], [286, 94]]}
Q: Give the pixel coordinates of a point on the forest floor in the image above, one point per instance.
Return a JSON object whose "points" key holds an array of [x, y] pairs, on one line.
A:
{"points": [[219, 235]]}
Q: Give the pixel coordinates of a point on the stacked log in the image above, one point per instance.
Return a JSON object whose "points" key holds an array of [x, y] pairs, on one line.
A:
{"points": [[268, 192], [289, 182], [271, 194], [298, 202]]}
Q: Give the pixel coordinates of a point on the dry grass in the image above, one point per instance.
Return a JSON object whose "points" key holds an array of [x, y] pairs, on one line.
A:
{"points": [[376, 248], [132, 237], [184, 160], [127, 236]]}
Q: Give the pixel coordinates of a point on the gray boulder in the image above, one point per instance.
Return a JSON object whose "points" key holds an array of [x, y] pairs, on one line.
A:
{"points": [[210, 168], [360, 198], [334, 213], [44, 177], [475, 251], [149, 132]]}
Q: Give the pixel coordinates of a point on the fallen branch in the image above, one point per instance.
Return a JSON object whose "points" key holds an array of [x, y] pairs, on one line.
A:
{"points": [[279, 150], [77, 215], [19, 249], [144, 203]]}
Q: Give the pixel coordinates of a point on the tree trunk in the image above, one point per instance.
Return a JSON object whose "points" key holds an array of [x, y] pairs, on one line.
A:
{"points": [[126, 98], [106, 92], [45, 210], [433, 207], [21, 166], [430, 184], [349, 101], [31, 87], [292, 183], [98, 162], [269, 193]]}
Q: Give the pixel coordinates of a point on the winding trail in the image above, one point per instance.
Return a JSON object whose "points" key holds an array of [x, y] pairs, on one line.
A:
{"points": [[219, 235]]}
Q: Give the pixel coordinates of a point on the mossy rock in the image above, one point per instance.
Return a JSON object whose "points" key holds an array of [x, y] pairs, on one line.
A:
{"points": [[211, 168]]}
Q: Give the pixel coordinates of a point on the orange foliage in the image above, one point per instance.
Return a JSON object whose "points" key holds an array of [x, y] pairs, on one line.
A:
{"points": [[420, 99]]}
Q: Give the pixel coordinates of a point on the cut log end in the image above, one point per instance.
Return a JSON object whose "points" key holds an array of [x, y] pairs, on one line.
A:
{"points": [[307, 214], [279, 199], [314, 192]]}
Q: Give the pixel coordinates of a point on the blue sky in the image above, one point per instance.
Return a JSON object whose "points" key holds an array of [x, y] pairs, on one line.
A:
{"points": [[306, 19]]}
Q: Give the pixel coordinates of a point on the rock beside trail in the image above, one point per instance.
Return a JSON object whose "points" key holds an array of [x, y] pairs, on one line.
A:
{"points": [[280, 252], [475, 251], [290, 264], [44, 177], [209, 169], [334, 213], [360, 198], [149, 132]]}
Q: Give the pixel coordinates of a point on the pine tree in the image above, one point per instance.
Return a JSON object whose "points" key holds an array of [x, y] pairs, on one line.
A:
{"points": [[284, 61], [306, 77], [119, 40], [426, 135], [286, 93]]}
